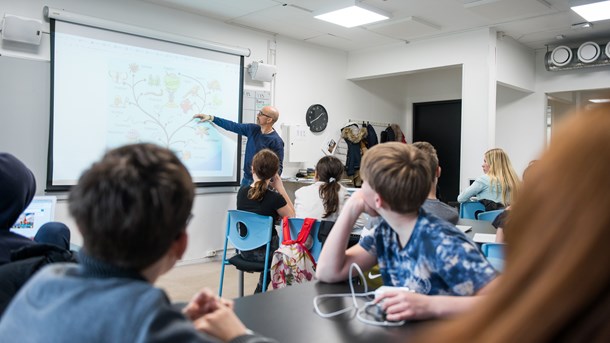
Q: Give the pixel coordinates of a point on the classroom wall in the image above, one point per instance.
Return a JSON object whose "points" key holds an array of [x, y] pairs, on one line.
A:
{"points": [[515, 64], [475, 51], [520, 125]]}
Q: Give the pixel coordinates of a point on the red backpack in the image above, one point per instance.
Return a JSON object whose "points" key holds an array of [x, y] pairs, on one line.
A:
{"points": [[292, 262]]}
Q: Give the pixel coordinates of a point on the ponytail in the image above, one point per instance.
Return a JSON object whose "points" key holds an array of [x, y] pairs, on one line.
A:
{"points": [[257, 191], [329, 192]]}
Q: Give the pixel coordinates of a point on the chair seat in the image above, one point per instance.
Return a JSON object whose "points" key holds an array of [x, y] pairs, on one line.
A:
{"points": [[246, 265]]}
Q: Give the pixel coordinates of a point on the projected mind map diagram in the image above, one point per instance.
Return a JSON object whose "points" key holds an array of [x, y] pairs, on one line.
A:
{"points": [[156, 103]]}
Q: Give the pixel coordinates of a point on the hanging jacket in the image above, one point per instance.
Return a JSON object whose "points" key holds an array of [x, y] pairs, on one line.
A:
{"points": [[388, 135], [354, 153], [371, 137]]}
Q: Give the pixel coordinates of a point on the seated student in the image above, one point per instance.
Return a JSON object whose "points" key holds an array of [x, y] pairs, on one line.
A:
{"points": [[28, 259], [324, 199], [500, 222], [559, 289], [132, 209], [17, 189], [432, 204], [259, 198], [413, 249], [499, 183]]}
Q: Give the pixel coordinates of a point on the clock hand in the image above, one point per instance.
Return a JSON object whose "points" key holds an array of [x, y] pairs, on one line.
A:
{"points": [[318, 117]]}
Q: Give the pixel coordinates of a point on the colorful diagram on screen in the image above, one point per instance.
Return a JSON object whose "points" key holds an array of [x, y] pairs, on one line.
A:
{"points": [[153, 103]]}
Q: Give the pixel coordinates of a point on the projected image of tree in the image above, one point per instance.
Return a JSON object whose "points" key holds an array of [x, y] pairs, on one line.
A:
{"points": [[156, 104]]}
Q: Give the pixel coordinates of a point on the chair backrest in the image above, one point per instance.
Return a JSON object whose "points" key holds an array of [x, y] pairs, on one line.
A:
{"points": [[489, 216], [495, 254], [258, 229], [247, 231], [295, 226], [469, 208]]}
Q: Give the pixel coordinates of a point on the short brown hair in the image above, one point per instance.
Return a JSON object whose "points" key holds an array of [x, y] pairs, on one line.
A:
{"points": [[132, 204], [431, 152], [399, 173]]}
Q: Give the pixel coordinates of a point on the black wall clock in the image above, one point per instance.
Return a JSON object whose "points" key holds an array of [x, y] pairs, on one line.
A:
{"points": [[316, 118]]}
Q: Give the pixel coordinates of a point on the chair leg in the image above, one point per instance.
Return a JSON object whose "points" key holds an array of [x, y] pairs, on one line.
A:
{"points": [[240, 283]]}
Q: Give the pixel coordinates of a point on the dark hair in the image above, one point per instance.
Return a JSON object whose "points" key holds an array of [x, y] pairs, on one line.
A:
{"points": [[132, 205], [329, 167], [265, 165], [400, 173]]}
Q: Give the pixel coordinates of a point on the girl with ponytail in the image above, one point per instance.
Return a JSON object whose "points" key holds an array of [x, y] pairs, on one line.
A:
{"points": [[261, 199], [325, 198]]}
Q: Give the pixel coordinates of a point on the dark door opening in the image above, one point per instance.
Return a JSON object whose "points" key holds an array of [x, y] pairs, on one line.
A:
{"points": [[440, 124]]}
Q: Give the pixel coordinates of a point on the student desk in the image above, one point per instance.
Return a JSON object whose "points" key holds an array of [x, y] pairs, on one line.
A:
{"points": [[288, 315], [478, 226]]}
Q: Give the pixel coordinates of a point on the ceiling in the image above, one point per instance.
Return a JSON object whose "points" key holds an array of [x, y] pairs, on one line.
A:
{"points": [[535, 23]]}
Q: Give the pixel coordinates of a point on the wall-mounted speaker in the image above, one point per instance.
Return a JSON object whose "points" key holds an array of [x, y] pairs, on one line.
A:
{"points": [[261, 71], [19, 29]]}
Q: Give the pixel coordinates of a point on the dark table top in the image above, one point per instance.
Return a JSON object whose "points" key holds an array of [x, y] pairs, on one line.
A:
{"points": [[288, 315]]}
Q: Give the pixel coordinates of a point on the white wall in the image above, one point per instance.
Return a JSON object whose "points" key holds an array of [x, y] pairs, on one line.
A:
{"points": [[307, 74], [475, 52], [515, 64], [520, 125]]}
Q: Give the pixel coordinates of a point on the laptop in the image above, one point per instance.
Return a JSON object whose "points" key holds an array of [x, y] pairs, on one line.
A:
{"points": [[40, 211]]}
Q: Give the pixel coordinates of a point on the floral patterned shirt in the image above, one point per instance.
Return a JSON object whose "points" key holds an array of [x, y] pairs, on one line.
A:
{"points": [[437, 259]]}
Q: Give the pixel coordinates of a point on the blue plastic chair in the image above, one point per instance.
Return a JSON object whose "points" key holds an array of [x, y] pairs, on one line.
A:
{"points": [[489, 216], [295, 225], [469, 208], [258, 231], [494, 252]]}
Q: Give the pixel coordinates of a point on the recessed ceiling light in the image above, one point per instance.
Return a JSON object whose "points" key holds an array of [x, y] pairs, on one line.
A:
{"points": [[591, 10], [599, 101], [351, 14]]}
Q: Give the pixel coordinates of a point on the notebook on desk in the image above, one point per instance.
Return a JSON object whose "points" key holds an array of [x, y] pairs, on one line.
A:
{"points": [[40, 211], [484, 238]]}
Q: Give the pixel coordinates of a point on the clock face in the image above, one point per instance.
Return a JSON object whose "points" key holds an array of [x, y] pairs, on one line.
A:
{"points": [[316, 118]]}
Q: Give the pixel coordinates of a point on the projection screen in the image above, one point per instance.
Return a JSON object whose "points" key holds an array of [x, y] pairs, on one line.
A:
{"points": [[110, 88]]}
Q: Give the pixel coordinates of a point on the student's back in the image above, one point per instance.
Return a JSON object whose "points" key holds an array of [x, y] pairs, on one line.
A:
{"points": [[93, 302]]}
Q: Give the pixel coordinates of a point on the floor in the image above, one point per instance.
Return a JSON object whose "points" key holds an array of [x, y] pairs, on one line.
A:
{"points": [[183, 281]]}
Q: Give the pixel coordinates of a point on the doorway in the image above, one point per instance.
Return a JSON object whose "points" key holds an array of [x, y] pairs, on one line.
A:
{"points": [[440, 124]]}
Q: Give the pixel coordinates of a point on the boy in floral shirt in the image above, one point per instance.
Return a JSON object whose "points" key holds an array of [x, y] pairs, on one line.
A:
{"points": [[431, 257]]}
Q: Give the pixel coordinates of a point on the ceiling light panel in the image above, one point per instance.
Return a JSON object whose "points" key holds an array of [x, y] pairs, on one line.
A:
{"points": [[591, 10]]}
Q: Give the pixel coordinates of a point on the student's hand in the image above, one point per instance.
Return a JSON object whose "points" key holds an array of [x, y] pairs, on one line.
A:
{"points": [[222, 324], [204, 302], [358, 205], [276, 182], [404, 305], [203, 117]]}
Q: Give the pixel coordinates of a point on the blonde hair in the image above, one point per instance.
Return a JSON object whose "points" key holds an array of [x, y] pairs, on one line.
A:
{"points": [[503, 178], [400, 173], [556, 287]]}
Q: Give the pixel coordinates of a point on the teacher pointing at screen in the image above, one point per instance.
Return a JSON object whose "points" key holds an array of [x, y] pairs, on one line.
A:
{"points": [[260, 136]]}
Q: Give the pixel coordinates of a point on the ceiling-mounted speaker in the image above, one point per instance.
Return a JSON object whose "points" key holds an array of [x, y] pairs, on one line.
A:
{"points": [[561, 56], [589, 52], [19, 29]]}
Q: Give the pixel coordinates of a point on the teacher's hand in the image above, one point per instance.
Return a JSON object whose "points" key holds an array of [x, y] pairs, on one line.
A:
{"points": [[203, 117]]}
